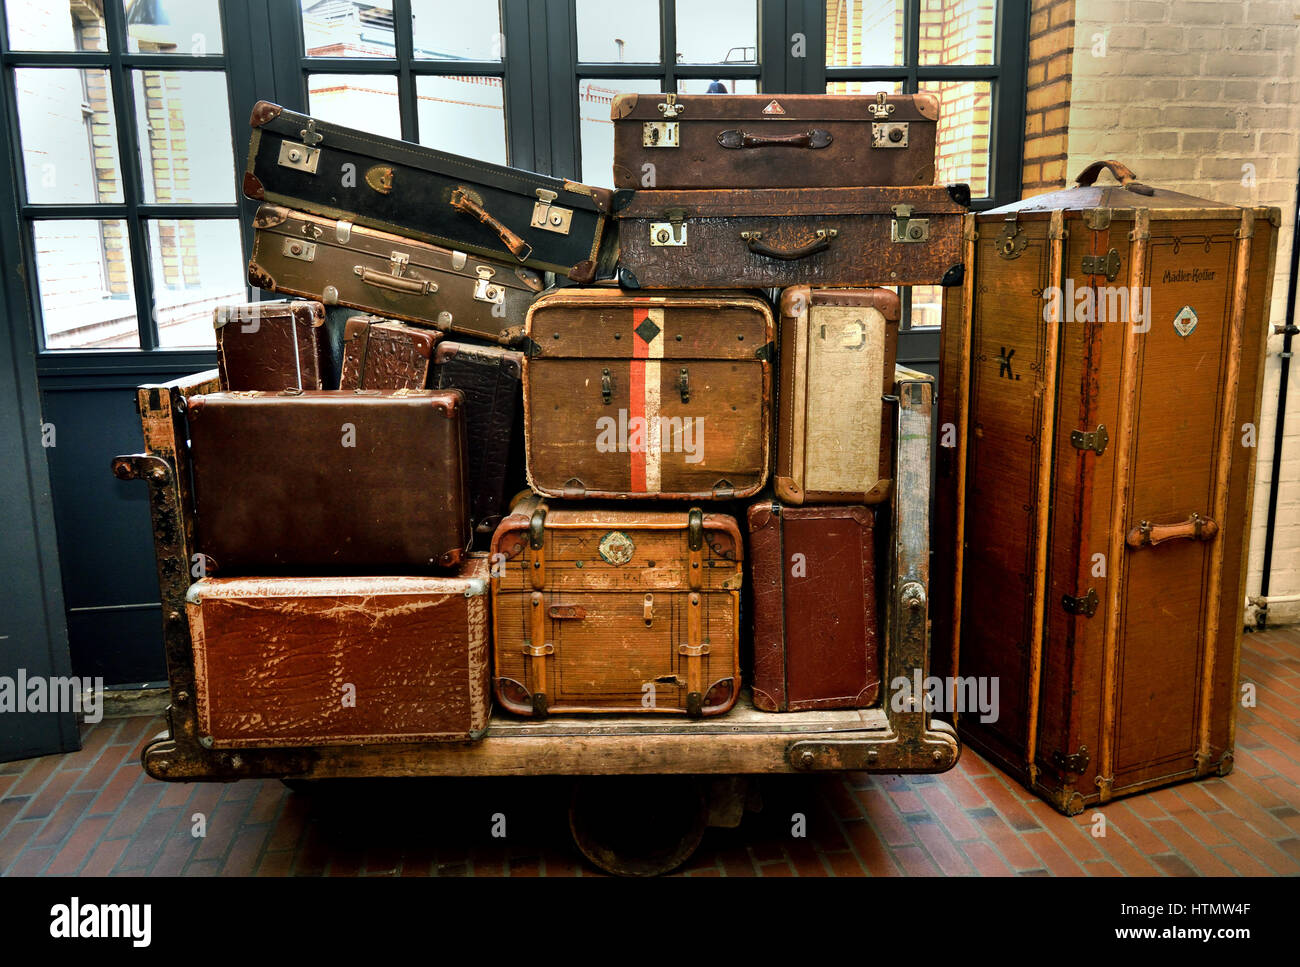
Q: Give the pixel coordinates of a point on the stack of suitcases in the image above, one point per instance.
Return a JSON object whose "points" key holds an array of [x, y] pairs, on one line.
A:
{"points": [[678, 435]]}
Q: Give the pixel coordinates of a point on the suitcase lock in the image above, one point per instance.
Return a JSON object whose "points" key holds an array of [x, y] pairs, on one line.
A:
{"points": [[484, 290], [305, 156], [889, 134], [905, 228], [551, 217], [672, 232]]}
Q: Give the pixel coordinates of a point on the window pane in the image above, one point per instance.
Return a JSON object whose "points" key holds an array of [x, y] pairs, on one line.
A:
{"points": [[457, 29], [705, 85], [364, 101], [83, 279], [597, 130], [69, 136], [965, 109], [197, 266], [617, 33], [50, 25], [465, 115], [864, 87], [927, 306], [717, 32], [331, 28], [171, 27], [183, 121], [864, 33], [957, 31]]}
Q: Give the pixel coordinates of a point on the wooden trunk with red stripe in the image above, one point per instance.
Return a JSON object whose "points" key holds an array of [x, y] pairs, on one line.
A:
{"points": [[635, 395]]}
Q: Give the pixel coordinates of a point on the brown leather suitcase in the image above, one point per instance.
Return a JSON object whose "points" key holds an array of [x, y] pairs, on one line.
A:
{"points": [[389, 275], [616, 611], [547, 223], [319, 661], [777, 237], [333, 481], [381, 354], [1103, 379], [271, 345], [665, 395], [762, 141], [489, 378], [816, 630], [835, 436]]}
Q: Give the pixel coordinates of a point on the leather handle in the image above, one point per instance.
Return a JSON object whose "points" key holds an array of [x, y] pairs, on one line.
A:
{"points": [[1195, 528], [462, 202], [394, 283], [1122, 172], [813, 140], [820, 243]]}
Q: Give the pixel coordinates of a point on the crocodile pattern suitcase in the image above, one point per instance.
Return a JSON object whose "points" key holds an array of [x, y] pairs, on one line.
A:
{"points": [[381, 354]]}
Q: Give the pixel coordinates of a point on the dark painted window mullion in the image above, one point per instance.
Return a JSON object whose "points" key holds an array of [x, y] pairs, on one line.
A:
{"points": [[668, 42], [403, 30], [912, 45]]}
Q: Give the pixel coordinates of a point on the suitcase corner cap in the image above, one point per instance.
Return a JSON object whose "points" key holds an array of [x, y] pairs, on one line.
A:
{"points": [[263, 113]]}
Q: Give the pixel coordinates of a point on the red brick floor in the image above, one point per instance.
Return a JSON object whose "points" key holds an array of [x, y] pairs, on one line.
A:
{"points": [[94, 812]]}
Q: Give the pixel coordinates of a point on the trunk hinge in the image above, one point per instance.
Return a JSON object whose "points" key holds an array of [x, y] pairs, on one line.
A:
{"points": [[1085, 604], [1071, 762], [1094, 440], [1107, 265]]}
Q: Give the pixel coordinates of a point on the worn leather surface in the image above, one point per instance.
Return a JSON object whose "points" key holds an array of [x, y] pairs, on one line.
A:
{"points": [[381, 354], [816, 633], [341, 661], [271, 345], [336, 481], [489, 378]]}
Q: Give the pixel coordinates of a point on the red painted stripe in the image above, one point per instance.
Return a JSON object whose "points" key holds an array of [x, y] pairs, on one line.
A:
{"points": [[636, 401]]}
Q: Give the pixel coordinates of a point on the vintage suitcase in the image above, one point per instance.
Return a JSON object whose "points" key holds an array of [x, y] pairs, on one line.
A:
{"points": [[616, 611], [834, 435], [271, 345], [381, 354], [1104, 380], [309, 661], [760, 141], [816, 630], [489, 379], [350, 265], [776, 237], [336, 481], [648, 395], [461, 203]]}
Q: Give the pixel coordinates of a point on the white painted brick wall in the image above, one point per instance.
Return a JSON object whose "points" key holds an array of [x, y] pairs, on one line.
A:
{"points": [[1186, 93]]}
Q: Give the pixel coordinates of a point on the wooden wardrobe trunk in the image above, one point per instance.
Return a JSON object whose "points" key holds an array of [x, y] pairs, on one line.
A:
{"points": [[1099, 502], [616, 611]]}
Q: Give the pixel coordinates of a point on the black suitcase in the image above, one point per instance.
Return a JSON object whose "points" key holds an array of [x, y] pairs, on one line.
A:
{"points": [[543, 222], [489, 379]]}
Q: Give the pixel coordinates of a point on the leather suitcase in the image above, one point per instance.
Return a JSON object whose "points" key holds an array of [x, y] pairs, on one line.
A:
{"points": [[489, 379], [460, 203], [616, 611], [665, 395], [835, 439], [344, 264], [777, 237], [271, 345], [385, 355], [318, 661], [671, 141], [816, 632], [331, 481], [1109, 354]]}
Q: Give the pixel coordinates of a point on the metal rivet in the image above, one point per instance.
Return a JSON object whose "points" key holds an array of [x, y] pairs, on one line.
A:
{"points": [[618, 335], [807, 758], [679, 337]]}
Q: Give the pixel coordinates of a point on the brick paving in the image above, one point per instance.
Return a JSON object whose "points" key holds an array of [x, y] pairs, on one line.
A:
{"points": [[94, 812]]}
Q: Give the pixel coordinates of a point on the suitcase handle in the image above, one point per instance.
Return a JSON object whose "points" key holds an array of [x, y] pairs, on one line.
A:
{"points": [[393, 282], [462, 201], [814, 139], [1122, 173], [1195, 528], [820, 243]]}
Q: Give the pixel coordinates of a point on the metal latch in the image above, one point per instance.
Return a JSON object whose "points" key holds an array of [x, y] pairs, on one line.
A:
{"points": [[684, 384], [537, 528], [671, 232], [695, 529], [1012, 241], [551, 217], [669, 107], [882, 108], [606, 386], [299, 157], [1085, 604], [661, 134], [484, 290], [1107, 265], [397, 263], [295, 248], [1094, 440], [905, 228], [889, 134], [1073, 762]]}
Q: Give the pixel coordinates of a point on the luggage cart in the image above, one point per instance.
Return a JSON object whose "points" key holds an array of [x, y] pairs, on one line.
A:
{"points": [[631, 826]]}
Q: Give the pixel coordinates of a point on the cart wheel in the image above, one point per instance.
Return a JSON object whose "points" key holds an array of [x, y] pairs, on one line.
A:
{"points": [[638, 825]]}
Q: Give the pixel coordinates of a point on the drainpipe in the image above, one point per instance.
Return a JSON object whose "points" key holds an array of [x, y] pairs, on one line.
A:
{"points": [[1287, 331]]}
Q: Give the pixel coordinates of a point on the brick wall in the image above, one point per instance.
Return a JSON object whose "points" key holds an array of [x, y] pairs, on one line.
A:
{"points": [[1047, 100], [1203, 96]]}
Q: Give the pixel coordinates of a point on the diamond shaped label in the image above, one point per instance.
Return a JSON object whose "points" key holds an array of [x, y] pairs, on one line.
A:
{"points": [[647, 331]]}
